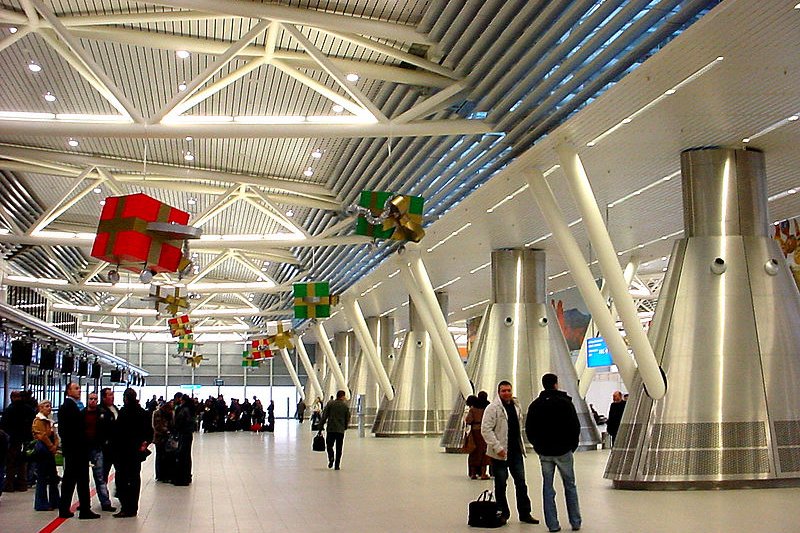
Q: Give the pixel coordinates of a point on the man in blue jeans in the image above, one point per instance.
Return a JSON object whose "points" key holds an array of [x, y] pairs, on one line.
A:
{"points": [[552, 426], [501, 428]]}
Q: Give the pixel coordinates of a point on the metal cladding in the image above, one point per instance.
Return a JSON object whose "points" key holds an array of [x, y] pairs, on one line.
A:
{"points": [[519, 340], [361, 381], [423, 392], [725, 332]]}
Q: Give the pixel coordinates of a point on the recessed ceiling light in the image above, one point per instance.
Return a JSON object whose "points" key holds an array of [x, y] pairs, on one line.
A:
{"points": [[289, 213], [102, 202], [73, 143], [337, 108], [746, 140], [182, 54], [182, 87], [352, 77], [317, 153], [12, 29], [189, 139], [308, 172], [34, 67], [50, 97], [189, 156], [191, 201], [793, 118], [98, 190]]}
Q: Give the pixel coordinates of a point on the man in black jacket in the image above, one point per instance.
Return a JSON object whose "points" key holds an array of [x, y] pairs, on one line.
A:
{"points": [[134, 432], [72, 431], [16, 422], [552, 426]]}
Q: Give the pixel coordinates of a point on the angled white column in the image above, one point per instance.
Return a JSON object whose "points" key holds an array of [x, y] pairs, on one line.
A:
{"points": [[581, 274], [292, 372], [312, 374], [582, 192], [438, 322], [356, 319], [330, 357]]}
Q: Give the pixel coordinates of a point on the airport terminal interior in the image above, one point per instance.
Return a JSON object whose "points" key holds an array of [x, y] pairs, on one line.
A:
{"points": [[410, 201]]}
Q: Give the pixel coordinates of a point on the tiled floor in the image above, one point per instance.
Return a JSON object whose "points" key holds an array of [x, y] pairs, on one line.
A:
{"points": [[250, 483]]}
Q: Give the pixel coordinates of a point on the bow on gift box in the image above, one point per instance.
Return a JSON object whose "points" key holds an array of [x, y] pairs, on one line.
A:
{"points": [[194, 360], [174, 302], [180, 326], [406, 226], [282, 339]]}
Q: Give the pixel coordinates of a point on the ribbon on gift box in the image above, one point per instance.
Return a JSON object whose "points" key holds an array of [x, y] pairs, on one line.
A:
{"points": [[385, 215], [180, 325], [407, 226], [186, 343], [312, 300], [194, 360], [171, 302]]}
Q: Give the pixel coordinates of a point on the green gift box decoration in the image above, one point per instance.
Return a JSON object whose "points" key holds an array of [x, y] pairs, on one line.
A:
{"points": [[248, 361], [186, 343], [403, 221], [313, 300]]}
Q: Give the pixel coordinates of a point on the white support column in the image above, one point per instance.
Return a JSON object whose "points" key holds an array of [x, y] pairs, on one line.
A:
{"points": [[421, 307], [581, 274], [312, 374], [439, 322], [292, 372], [330, 357], [582, 192], [356, 319]]}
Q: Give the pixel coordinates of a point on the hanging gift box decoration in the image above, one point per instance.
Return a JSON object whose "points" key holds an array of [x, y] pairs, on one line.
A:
{"points": [[313, 300], [385, 215], [186, 343], [194, 359], [248, 361], [139, 233], [259, 348], [180, 326], [282, 339], [169, 299]]}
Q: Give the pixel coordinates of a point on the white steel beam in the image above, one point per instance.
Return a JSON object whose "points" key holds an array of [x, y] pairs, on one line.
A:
{"points": [[314, 85], [140, 289], [226, 128], [356, 319], [312, 375], [305, 17], [330, 357], [209, 267], [14, 37], [431, 104], [77, 21], [89, 63], [261, 276], [292, 372], [218, 85], [581, 190], [209, 72], [276, 213], [216, 207], [58, 209], [334, 72]]}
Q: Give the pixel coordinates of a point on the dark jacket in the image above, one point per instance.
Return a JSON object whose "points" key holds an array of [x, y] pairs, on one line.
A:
{"points": [[133, 428], [337, 415], [552, 424], [106, 424], [16, 422], [615, 412], [72, 428]]}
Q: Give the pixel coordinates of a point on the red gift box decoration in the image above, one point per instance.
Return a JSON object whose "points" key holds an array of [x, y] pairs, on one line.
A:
{"points": [[123, 238], [180, 326]]}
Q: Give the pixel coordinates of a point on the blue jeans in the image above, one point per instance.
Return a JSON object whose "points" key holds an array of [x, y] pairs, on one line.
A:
{"points": [[565, 468], [100, 481], [515, 464]]}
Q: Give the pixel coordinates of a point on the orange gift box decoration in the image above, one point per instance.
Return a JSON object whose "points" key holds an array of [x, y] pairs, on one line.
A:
{"points": [[123, 238]]}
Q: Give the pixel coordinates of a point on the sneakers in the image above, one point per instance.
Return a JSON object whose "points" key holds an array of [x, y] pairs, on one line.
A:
{"points": [[528, 519]]}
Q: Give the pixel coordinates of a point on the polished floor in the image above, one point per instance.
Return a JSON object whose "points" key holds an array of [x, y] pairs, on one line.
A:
{"points": [[274, 482]]}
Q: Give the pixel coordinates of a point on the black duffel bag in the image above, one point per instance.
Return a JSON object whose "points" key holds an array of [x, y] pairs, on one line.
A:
{"points": [[318, 444], [484, 512]]}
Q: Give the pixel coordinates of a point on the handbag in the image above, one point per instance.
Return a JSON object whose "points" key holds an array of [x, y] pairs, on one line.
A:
{"points": [[469, 443], [318, 445], [171, 444], [30, 451], [484, 512]]}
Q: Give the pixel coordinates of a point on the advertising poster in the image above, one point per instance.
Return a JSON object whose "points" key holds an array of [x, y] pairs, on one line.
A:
{"points": [[787, 233]]}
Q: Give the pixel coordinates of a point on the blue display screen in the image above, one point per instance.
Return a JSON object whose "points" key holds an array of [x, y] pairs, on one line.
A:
{"points": [[597, 353]]}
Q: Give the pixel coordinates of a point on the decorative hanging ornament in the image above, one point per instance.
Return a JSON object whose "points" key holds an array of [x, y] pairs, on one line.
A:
{"points": [[385, 215]]}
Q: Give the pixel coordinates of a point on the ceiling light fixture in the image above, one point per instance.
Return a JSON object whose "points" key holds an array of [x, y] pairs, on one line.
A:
{"points": [[191, 201], [352, 77], [182, 54], [12, 29], [50, 97], [34, 67], [102, 202], [289, 213], [308, 172], [317, 153], [73, 143], [182, 87], [98, 190], [189, 139], [189, 156], [337, 108]]}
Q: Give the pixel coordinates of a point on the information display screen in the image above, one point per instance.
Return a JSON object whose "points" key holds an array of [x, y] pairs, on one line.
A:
{"points": [[597, 353]]}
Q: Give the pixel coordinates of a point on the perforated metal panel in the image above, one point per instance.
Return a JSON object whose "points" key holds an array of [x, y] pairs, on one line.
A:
{"points": [[709, 435], [691, 463], [787, 432]]}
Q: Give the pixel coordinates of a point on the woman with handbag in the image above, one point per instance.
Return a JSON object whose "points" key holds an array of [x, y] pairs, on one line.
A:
{"points": [[163, 429], [46, 497], [477, 461]]}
